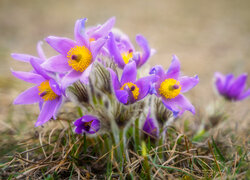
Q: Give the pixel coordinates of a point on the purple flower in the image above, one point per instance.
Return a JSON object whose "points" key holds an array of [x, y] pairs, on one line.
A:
{"points": [[89, 124], [151, 126], [46, 92], [27, 57], [230, 87], [170, 87], [128, 90], [76, 57], [122, 50]]}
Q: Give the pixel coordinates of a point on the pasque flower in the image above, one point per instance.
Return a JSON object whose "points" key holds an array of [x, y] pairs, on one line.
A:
{"points": [[27, 57], [150, 126], [88, 124], [128, 90], [76, 57], [171, 85], [122, 50], [46, 92], [230, 87]]}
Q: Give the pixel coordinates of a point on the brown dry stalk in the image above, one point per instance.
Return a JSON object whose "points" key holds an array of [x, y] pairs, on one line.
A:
{"points": [[211, 150]]}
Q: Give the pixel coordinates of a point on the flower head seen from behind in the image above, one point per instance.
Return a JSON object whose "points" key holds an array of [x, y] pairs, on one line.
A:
{"points": [[230, 87], [122, 50], [130, 90], [88, 124], [76, 57], [150, 126], [171, 85], [46, 92]]}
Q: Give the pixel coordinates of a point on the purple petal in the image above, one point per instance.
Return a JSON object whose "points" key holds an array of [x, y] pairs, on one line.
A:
{"points": [[70, 78], [157, 70], [30, 96], [55, 87], [78, 122], [126, 43], [115, 52], [78, 130], [122, 96], [188, 83], [47, 112], [114, 78], [61, 45], [40, 50], [237, 86], [228, 81], [96, 46], [104, 29], [129, 73], [41, 105], [28, 77], [244, 95], [174, 69], [219, 82], [26, 58], [144, 85], [85, 75], [150, 126], [57, 63], [80, 35], [95, 126], [88, 118], [178, 105], [142, 42], [58, 106], [39, 69]]}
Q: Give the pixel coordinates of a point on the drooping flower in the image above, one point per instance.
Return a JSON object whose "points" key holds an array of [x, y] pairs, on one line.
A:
{"points": [[170, 87], [122, 50], [128, 90], [76, 57], [151, 126], [26, 57], [230, 87], [88, 124], [46, 92]]}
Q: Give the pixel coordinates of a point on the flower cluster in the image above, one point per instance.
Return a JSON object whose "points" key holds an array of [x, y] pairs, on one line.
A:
{"points": [[86, 71]]}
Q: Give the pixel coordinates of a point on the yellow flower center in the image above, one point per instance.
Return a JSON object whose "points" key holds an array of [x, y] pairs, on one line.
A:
{"points": [[126, 56], [79, 58], [170, 88], [45, 91], [133, 88]]}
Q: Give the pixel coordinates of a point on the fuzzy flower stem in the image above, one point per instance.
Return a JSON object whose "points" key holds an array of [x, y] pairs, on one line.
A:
{"points": [[114, 142], [122, 146], [137, 135]]}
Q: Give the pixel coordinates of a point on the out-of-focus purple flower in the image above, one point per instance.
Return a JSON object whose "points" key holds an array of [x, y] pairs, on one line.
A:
{"points": [[128, 90], [170, 87], [88, 124], [76, 57], [122, 50], [230, 87], [151, 126], [46, 92], [26, 57]]}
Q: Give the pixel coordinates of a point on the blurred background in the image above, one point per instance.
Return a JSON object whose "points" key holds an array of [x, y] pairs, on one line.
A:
{"points": [[207, 36]]}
